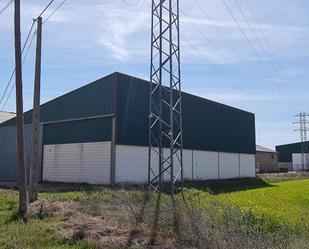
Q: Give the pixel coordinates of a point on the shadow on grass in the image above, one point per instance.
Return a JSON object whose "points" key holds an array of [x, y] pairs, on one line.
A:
{"points": [[156, 220], [211, 186], [140, 218], [227, 186], [158, 212], [15, 216]]}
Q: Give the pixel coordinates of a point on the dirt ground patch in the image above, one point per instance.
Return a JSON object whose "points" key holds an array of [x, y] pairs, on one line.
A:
{"points": [[104, 233], [51, 208], [4, 192], [77, 222]]}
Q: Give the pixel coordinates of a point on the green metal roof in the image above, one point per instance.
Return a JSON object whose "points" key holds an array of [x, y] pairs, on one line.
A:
{"points": [[207, 125]]}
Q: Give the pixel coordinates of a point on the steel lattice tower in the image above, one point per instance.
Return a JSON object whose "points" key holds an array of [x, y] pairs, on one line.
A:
{"points": [[303, 136], [165, 115]]}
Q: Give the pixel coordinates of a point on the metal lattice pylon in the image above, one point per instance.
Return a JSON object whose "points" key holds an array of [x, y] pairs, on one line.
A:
{"points": [[165, 116], [303, 137]]}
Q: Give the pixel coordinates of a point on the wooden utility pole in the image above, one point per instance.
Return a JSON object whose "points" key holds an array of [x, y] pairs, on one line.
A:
{"points": [[35, 159], [19, 114]]}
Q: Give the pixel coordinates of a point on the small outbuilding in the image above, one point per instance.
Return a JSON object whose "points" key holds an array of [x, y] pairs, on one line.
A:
{"points": [[266, 160]]}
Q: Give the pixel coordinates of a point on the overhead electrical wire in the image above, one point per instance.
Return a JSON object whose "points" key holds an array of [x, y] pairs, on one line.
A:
{"points": [[248, 81], [25, 44], [219, 31], [268, 43], [270, 60], [47, 6], [229, 44], [226, 59], [6, 6], [256, 52], [238, 54], [252, 30], [216, 67], [221, 72], [53, 12], [13, 73], [24, 59], [264, 34], [131, 4]]}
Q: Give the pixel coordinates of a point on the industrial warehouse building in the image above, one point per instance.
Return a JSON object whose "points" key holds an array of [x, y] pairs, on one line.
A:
{"points": [[290, 156], [99, 134]]}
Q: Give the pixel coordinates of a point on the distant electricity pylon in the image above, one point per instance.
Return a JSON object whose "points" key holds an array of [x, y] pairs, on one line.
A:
{"points": [[302, 122], [165, 115]]}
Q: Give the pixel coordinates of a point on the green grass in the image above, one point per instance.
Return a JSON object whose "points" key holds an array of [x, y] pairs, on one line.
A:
{"points": [[271, 207], [36, 233], [281, 205], [283, 201], [8, 206]]}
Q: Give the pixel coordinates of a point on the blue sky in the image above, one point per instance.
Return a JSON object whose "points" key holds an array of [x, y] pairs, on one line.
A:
{"points": [[86, 40]]}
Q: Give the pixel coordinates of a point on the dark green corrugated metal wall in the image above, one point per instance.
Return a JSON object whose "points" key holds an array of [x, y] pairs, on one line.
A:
{"points": [[132, 111], [91, 130], [94, 99], [207, 125]]}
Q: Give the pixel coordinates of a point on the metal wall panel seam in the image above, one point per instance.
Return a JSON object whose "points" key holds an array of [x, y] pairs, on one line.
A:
{"points": [[78, 119], [114, 130], [239, 164], [192, 165], [218, 165]]}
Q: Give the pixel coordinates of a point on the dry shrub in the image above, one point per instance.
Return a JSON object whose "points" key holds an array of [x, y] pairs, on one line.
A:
{"points": [[123, 219], [42, 209]]}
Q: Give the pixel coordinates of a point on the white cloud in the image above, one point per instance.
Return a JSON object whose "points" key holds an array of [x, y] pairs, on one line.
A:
{"points": [[87, 38], [117, 29]]}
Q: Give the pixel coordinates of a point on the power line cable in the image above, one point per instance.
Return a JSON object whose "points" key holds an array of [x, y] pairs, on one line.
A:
{"points": [[269, 44], [247, 80], [221, 72], [214, 46], [24, 59], [131, 4], [252, 30], [53, 12], [263, 32], [6, 6], [228, 43], [219, 31], [276, 71], [13, 73], [26, 41], [213, 24], [47, 6], [217, 68], [254, 50]]}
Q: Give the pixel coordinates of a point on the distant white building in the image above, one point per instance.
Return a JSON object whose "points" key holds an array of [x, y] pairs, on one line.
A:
{"points": [[4, 116], [297, 161]]}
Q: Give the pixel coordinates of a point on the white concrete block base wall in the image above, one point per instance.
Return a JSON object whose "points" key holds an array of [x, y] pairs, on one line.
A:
{"points": [[77, 163], [131, 165], [91, 163], [297, 161]]}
